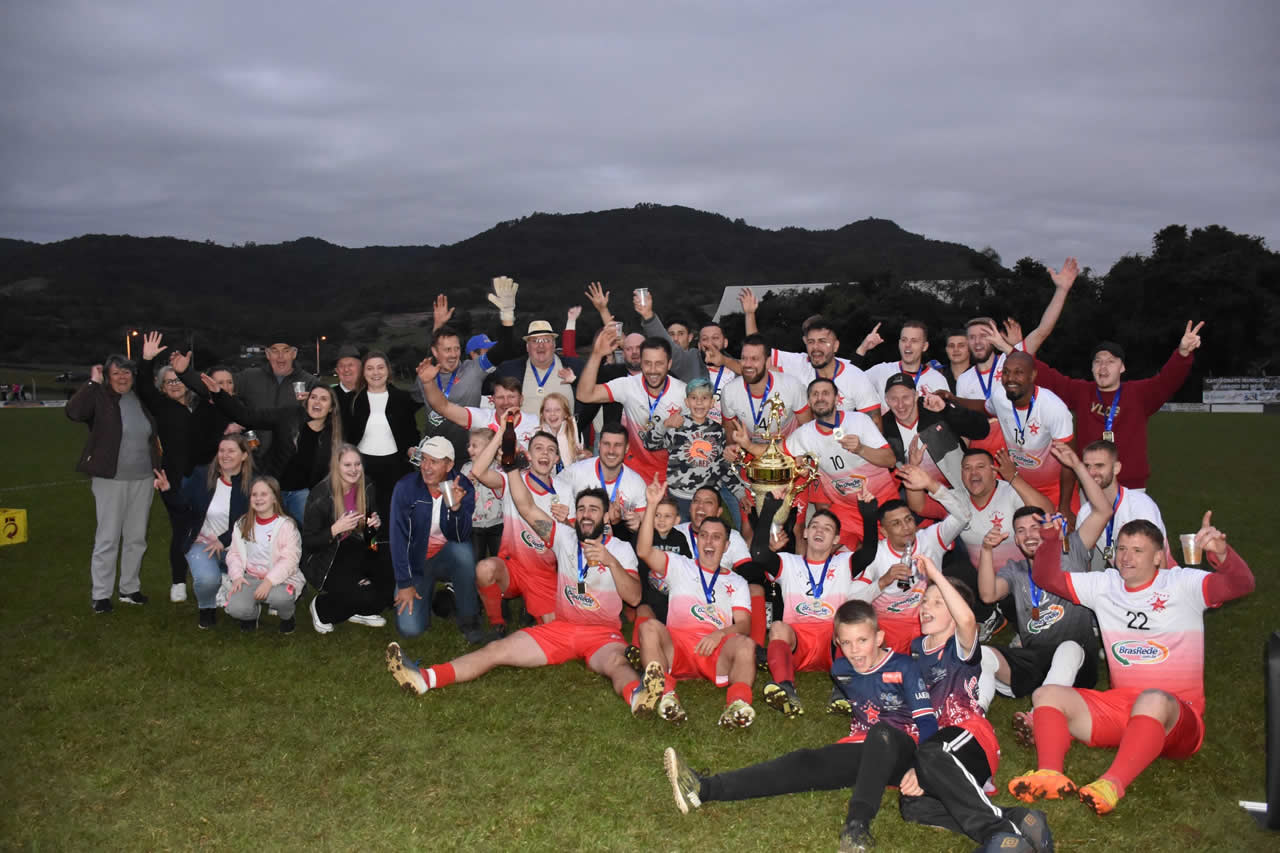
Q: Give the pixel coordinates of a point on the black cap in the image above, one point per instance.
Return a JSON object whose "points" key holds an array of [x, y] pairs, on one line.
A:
{"points": [[1107, 346], [347, 351], [903, 379]]}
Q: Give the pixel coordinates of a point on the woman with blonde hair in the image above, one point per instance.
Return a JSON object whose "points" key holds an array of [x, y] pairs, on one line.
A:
{"points": [[263, 560], [339, 552]]}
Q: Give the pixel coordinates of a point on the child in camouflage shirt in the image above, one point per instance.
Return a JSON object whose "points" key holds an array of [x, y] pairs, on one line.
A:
{"points": [[695, 445]]}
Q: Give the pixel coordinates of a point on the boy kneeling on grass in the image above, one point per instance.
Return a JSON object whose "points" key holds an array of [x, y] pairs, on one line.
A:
{"points": [[894, 709]]}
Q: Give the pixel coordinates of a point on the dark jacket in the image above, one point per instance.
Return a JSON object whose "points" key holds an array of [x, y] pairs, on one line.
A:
{"points": [[285, 423], [260, 389], [411, 508], [965, 423], [174, 424], [319, 545], [208, 425], [191, 503], [402, 415], [98, 406]]}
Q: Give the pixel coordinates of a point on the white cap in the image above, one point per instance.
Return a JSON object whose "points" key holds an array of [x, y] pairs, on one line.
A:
{"points": [[437, 447]]}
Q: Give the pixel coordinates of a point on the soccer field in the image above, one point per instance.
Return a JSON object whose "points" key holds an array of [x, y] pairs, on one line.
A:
{"points": [[136, 730]]}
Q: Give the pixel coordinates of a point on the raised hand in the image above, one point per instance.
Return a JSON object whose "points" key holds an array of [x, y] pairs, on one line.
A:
{"points": [[915, 478], [1190, 339], [1005, 466], [1066, 276], [605, 341], [1012, 331], [1065, 455], [674, 420], [566, 375], [851, 443], [1210, 539], [95, 374], [209, 383], [571, 316], [930, 568], [933, 402], [560, 512], [738, 434], [996, 339], [180, 361], [427, 370], [599, 298], [871, 341], [595, 553], [643, 307], [151, 345], [654, 491], [915, 451], [993, 538], [504, 298], [441, 313], [712, 357], [747, 299]]}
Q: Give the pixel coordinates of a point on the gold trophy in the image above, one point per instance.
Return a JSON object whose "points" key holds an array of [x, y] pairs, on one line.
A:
{"points": [[773, 469]]}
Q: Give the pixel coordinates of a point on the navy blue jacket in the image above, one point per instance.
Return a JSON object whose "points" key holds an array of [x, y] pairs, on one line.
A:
{"points": [[411, 507]]}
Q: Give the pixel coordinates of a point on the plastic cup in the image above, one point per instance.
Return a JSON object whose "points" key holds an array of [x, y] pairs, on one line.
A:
{"points": [[1190, 550], [642, 294], [300, 388]]}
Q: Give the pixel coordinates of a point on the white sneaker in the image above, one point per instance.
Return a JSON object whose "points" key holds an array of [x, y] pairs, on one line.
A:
{"points": [[178, 592], [321, 627], [374, 621]]}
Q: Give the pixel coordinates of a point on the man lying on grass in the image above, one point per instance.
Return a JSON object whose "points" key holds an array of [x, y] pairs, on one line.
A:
{"points": [[595, 574], [892, 712], [1152, 622]]}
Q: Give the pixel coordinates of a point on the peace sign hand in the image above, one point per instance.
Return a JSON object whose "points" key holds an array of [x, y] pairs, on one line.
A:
{"points": [[1190, 339]]}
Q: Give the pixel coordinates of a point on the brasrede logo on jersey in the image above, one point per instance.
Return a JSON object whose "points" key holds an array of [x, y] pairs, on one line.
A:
{"points": [[848, 485], [1130, 652], [907, 603], [580, 600], [815, 610], [1049, 617], [528, 538], [707, 613]]}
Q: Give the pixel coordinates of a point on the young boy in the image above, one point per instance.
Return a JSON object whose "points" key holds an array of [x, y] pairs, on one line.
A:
{"points": [[695, 450], [486, 521]]}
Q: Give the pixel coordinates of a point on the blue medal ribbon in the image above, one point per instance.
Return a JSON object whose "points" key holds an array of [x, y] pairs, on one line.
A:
{"points": [[653, 401], [915, 377], [1019, 433], [1036, 594], [719, 375], [756, 416], [1115, 407], [834, 426], [991, 378], [1112, 521], [616, 483], [446, 389], [708, 590], [815, 589], [582, 568], [543, 379], [546, 487]]}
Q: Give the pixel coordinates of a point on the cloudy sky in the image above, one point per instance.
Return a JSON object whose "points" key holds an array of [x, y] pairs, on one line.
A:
{"points": [[1080, 130]]}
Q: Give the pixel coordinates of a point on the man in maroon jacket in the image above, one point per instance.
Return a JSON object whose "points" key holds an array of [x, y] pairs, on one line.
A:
{"points": [[1117, 411]]}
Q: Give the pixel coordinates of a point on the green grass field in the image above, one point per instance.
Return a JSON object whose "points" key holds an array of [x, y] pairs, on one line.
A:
{"points": [[136, 730]]}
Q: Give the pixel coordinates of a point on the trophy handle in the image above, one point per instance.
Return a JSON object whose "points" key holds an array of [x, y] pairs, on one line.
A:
{"points": [[806, 473]]}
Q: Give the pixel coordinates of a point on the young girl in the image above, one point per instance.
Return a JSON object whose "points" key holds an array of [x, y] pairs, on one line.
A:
{"points": [[556, 416], [486, 521], [695, 446], [339, 526], [262, 563]]}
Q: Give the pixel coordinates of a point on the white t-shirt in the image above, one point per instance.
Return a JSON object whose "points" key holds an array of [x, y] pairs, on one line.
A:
{"points": [[1130, 506], [735, 554], [639, 408], [378, 439], [996, 511], [689, 611], [853, 388], [800, 580], [927, 378], [739, 403], [841, 473], [600, 603], [483, 416], [217, 518]]}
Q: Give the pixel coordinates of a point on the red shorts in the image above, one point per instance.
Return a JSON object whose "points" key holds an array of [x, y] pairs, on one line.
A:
{"points": [[813, 646], [687, 663], [537, 586], [1109, 711], [898, 635], [564, 641]]}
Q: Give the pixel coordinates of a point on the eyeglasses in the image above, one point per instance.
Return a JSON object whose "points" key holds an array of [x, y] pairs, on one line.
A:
{"points": [[173, 382], [548, 339]]}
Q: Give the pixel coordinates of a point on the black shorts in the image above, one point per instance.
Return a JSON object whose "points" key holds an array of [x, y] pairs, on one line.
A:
{"points": [[1028, 667]]}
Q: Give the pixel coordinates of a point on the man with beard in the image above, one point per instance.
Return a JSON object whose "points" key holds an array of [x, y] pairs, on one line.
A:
{"points": [[747, 399], [596, 575], [853, 389], [1103, 466], [646, 399], [720, 368]]}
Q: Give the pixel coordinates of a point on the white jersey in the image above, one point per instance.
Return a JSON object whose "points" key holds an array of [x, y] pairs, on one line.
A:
{"points": [[975, 384], [927, 378], [1030, 432], [589, 474], [640, 408], [752, 412], [519, 542], [599, 603], [995, 512], [693, 608], [812, 592], [735, 554], [841, 473], [719, 379], [483, 416], [897, 610], [853, 389], [1129, 506]]}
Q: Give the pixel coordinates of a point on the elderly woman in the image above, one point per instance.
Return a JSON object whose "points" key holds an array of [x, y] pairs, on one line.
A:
{"points": [[119, 455]]}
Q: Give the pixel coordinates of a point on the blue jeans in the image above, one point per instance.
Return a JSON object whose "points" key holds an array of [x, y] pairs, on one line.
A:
{"points": [[295, 503], [206, 574], [455, 563]]}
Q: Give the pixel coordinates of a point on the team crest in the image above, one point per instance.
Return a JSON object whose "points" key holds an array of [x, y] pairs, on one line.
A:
{"points": [[707, 613], [1130, 652], [848, 485], [1024, 459], [580, 600], [907, 604], [818, 609]]}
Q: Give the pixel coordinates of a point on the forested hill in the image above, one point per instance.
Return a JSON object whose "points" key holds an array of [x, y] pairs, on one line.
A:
{"points": [[67, 300]]}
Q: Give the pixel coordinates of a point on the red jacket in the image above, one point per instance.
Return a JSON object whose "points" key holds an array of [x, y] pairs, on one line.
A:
{"points": [[1139, 400]]}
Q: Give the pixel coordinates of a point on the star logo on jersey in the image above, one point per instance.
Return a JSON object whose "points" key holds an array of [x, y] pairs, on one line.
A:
{"points": [[1034, 429], [1158, 602], [673, 410], [729, 589], [997, 519], [873, 713]]}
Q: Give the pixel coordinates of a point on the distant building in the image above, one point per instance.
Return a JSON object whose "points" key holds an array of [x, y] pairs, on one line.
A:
{"points": [[252, 352], [943, 289]]}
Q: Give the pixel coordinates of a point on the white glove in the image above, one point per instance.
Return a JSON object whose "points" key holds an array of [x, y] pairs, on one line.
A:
{"points": [[504, 298]]}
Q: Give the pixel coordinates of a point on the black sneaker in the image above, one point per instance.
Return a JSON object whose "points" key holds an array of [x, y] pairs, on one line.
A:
{"points": [[1034, 826], [443, 603], [248, 625], [208, 617], [762, 659], [856, 838], [992, 625], [102, 605], [287, 625], [838, 705], [134, 598], [633, 658]]}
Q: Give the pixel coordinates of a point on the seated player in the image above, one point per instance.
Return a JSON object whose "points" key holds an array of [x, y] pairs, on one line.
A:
{"points": [[706, 504], [881, 686], [941, 778], [595, 575], [609, 472], [525, 567], [1148, 615], [706, 631], [814, 585]]}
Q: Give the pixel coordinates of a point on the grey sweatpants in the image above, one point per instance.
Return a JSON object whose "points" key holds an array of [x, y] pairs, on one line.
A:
{"points": [[124, 507], [243, 605]]}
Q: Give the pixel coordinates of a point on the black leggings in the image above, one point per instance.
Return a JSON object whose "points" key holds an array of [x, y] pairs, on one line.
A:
{"points": [[485, 541], [177, 555], [360, 581], [867, 767], [385, 472]]}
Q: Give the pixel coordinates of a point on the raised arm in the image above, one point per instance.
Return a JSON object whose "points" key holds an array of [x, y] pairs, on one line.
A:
{"points": [[541, 523], [1062, 281], [656, 560], [1163, 385], [482, 465], [588, 390], [1097, 520], [747, 299], [599, 298], [870, 342], [1046, 566], [866, 552], [1232, 578], [991, 587], [961, 613], [428, 371], [1009, 472]]}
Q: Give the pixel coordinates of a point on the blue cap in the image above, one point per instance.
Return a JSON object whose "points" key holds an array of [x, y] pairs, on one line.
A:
{"points": [[476, 342]]}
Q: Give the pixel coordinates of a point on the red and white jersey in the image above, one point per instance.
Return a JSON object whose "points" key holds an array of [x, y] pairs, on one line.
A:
{"points": [[800, 579], [735, 555], [927, 378], [519, 541], [1153, 635], [841, 473], [853, 388], [589, 474], [1029, 433], [899, 608], [639, 409], [976, 384], [720, 379], [739, 403], [483, 416], [996, 511], [1129, 506], [600, 603], [689, 610]]}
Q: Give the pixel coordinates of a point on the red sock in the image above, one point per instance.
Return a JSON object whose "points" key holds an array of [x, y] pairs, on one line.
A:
{"points": [[1053, 738], [1141, 744], [440, 675], [757, 618], [491, 597], [671, 684], [629, 689], [738, 690], [781, 665], [635, 629]]}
